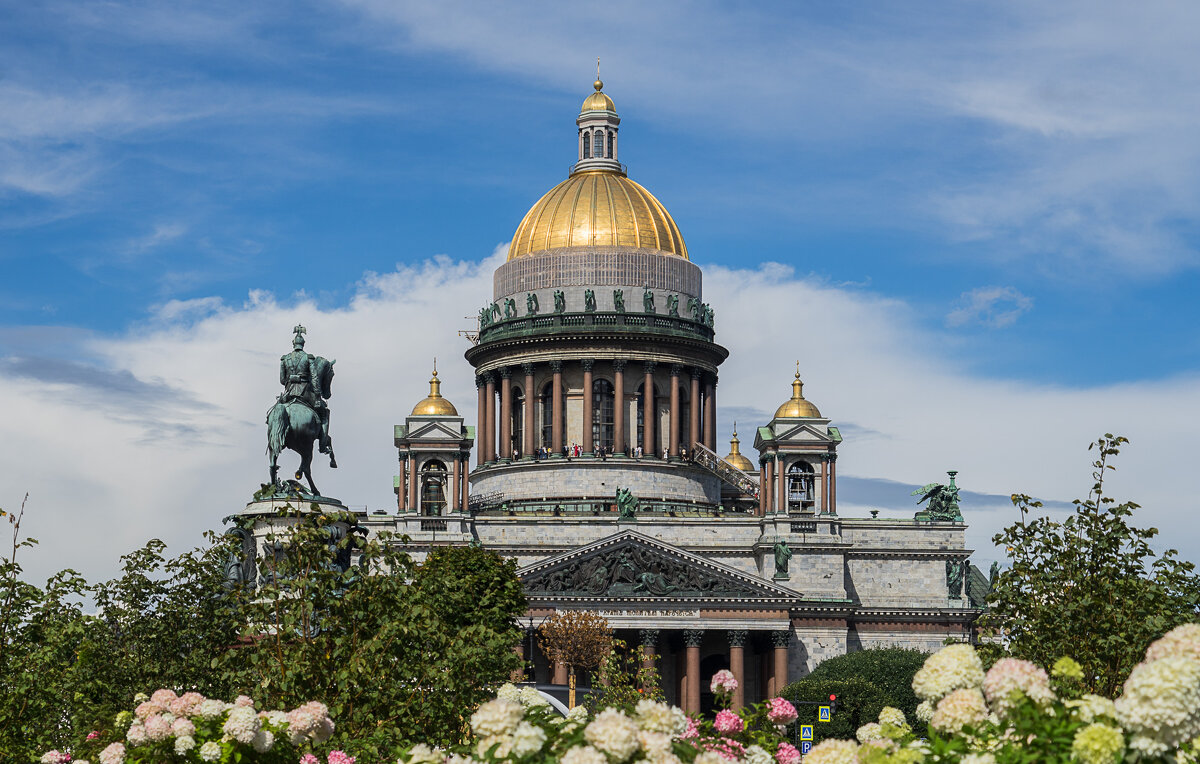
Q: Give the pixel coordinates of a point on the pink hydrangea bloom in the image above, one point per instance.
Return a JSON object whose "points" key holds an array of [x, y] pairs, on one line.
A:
{"points": [[113, 754], [183, 727], [779, 711], [727, 722], [726, 748], [787, 754], [723, 682], [186, 704], [56, 757], [93, 734], [308, 758], [163, 697], [148, 708], [157, 728], [243, 700], [340, 757], [693, 729], [1011, 678]]}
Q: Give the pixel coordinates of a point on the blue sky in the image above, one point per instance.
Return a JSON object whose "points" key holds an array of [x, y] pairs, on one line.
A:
{"points": [[1018, 183]]}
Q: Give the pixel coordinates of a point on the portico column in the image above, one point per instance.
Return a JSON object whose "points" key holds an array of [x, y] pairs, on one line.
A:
{"points": [[402, 488], [619, 408], [560, 673], [694, 411], [490, 435], [527, 430], [766, 488], [673, 437], [781, 506], [648, 409], [737, 665], [710, 414], [481, 422], [824, 485], [587, 407], [556, 419], [691, 697], [779, 676], [833, 484], [506, 446], [412, 482], [649, 640], [466, 488], [454, 488]]}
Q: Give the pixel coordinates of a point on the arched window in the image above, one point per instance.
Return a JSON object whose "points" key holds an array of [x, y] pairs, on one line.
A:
{"points": [[611, 136], [602, 413], [800, 484], [518, 422], [547, 400], [587, 145], [433, 488], [598, 144]]}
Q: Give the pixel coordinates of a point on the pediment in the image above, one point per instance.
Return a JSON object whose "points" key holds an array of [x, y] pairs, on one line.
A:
{"points": [[801, 433], [631, 567], [434, 430]]}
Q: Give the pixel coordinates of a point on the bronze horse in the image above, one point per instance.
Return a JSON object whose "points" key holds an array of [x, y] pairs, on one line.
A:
{"points": [[296, 425]]}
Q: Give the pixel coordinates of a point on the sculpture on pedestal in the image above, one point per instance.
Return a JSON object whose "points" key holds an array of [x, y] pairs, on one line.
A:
{"points": [[300, 416], [943, 501]]}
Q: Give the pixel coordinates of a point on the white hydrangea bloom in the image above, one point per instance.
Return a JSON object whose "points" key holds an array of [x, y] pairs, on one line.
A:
{"points": [[241, 724], [422, 754], [978, 758], [654, 742], [924, 711], [660, 717], [892, 716], [869, 731], [211, 751], [497, 717], [1160, 704], [1180, 642], [263, 741], [183, 744], [527, 739], [1091, 707], [509, 691], [613, 733], [710, 757], [531, 698], [757, 755], [961, 708], [833, 752], [583, 754], [954, 667]]}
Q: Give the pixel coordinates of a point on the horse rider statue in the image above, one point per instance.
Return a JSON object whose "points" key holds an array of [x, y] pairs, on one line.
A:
{"points": [[302, 382]]}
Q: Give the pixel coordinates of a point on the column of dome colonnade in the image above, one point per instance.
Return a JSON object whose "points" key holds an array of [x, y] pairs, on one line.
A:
{"points": [[499, 421]]}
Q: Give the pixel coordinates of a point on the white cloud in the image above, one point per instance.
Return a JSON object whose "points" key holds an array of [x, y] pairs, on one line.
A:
{"points": [[159, 432], [993, 306]]}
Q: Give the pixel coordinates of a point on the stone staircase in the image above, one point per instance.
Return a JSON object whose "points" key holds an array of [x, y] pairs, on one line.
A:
{"points": [[706, 458]]}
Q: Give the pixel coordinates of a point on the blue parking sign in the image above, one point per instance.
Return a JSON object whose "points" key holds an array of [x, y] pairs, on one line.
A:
{"points": [[805, 747], [806, 732], [823, 713]]}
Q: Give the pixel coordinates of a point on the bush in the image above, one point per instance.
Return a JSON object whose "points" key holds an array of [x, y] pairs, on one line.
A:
{"points": [[858, 702], [891, 669]]}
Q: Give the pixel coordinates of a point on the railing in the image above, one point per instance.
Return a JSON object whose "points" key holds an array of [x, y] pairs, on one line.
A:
{"points": [[433, 525], [631, 322], [707, 459], [597, 507]]}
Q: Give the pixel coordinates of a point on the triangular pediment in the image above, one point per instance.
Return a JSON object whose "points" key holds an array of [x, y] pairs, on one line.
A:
{"points": [[631, 567], [435, 430], [800, 433]]}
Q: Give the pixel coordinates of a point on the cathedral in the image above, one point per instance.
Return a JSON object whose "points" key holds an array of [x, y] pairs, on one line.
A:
{"points": [[593, 463]]}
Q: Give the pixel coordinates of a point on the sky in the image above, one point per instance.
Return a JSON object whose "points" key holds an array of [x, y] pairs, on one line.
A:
{"points": [[974, 225]]}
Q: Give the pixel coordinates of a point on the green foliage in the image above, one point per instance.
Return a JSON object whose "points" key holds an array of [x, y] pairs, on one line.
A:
{"points": [[395, 662], [890, 669], [623, 679], [858, 702], [1090, 586]]}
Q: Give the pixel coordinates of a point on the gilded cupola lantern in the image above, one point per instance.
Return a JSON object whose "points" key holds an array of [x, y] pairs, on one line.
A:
{"points": [[735, 456], [434, 404], [797, 407]]}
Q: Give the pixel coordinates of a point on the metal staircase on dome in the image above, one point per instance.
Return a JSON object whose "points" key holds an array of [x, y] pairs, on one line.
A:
{"points": [[705, 457]]}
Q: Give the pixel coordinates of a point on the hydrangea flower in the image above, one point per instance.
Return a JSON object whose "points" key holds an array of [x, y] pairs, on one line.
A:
{"points": [[1098, 744], [954, 667], [961, 708], [186, 704], [1066, 668], [978, 758], [656, 743], [210, 751], [892, 716], [531, 698], [583, 754], [264, 740], [660, 717], [1091, 707], [757, 755], [833, 752], [241, 724], [1160, 704], [614, 733], [183, 727], [422, 754], [924, 711], [728, 722], [55, 757], [339, 757], [497, 717], [712, 757], [1011, 678], [1180, 642], [780, 711], [113, 754], [787, 753], [869, 731], [509, 691], [157, 727], [723, 682], [184, 743], [527, 739]]}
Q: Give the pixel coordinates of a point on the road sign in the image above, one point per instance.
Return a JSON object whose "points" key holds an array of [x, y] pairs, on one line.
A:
{"points": [[806, 732], [805, 747], [823, 713]]}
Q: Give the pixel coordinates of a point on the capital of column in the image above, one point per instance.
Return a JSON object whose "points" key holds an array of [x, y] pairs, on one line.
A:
{"points": [[648, 638], [556, 366], [505, 372], [649, 366], [676, 369], [480, 381], [737, 638], [781, 638], [619, 364], [697, 373], [588, 363], [527, 368], [693, 637], [489, 378], [832, 457]]}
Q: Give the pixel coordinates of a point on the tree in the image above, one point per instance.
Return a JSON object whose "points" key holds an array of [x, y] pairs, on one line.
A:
{"points": [[578, 638], [624, 676], [890, 669], [1089, 587]]}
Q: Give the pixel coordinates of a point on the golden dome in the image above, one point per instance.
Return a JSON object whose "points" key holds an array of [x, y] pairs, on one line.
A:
{"points": [[598, 101], [735, 457], [796, 407], [435, 404], [597, 208]]}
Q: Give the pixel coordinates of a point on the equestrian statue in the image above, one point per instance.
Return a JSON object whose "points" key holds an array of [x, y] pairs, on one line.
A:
{"points": [[300, 416]]}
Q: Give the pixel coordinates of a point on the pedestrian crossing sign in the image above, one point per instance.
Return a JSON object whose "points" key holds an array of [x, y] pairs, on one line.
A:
{"points": [[823, 713], [806, 732]]}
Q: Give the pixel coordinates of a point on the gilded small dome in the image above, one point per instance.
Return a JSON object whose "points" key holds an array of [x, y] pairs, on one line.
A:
{"points": [[735, 456], [598, 101], [597, 208], [435, 404], [797, 407]]}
